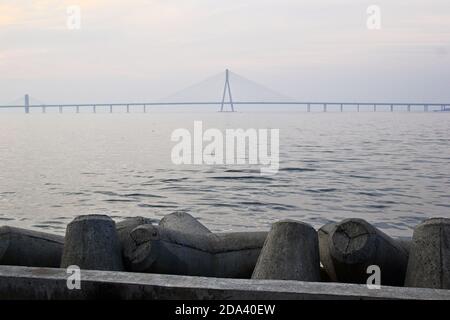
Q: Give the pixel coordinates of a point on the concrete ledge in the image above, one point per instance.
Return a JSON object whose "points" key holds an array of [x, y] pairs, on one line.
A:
{"points": [[46, 283]]}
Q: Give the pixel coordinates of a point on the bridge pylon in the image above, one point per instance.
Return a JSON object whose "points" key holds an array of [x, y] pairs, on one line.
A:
{"points": [[226, 89], [27, 103]]}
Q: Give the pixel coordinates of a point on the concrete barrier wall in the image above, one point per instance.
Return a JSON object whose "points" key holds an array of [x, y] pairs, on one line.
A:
{"points": [[45, 283]]}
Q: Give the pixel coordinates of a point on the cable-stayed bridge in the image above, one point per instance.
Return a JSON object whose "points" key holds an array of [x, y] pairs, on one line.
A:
{"points": [[226, 91]]}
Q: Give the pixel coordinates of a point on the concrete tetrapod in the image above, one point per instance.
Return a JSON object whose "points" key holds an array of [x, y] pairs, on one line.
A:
{"points": [[224, 255], [183, 222], [124, 229], [92, 243], [429, 260], [125, 226], [290, 252], [20, 247], [324, 250], [349, 247]]}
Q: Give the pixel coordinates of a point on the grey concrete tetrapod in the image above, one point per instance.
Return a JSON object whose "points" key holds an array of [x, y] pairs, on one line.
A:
{"points": [[20, 247], [324, 247], [183, 222], [125, 226], [324, 250], [353, 245], [224, 255], [124, 229], [429, 259], [92, 243], [290, 252]]}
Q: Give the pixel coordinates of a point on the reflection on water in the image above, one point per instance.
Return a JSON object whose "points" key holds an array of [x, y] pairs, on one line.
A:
{"points": [[390, 169]]}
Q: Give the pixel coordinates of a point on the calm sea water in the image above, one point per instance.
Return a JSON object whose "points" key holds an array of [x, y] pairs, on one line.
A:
{"points": [[392, 169]]}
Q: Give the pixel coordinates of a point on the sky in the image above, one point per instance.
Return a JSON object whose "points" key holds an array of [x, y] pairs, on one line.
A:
{"points": [[145, 50]]}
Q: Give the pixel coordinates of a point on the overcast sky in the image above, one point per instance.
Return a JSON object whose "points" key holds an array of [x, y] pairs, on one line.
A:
{"points": [[147, 49]]}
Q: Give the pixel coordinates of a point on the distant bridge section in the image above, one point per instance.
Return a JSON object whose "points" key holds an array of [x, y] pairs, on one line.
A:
{"points": [[232, 83], [308, 106]]}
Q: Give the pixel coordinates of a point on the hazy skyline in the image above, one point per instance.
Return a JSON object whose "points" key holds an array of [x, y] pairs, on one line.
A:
{"points": [[148, 49]]}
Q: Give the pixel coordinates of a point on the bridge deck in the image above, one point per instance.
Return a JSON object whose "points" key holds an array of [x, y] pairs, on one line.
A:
{"points": [[309, 105]]}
